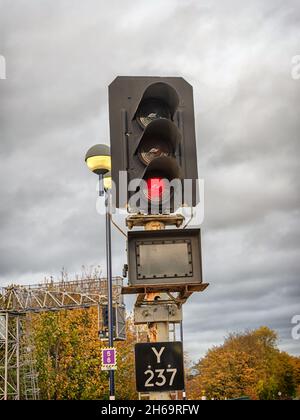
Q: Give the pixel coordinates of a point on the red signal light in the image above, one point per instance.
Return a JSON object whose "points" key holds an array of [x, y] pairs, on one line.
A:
{"points": [[155, 189]]}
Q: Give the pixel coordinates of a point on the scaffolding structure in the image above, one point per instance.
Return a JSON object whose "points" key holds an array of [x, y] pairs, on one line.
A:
{"points": [[18, 376]]}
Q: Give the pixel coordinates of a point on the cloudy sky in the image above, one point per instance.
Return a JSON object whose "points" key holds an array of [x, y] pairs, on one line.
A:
{"points": [[60, 57]]}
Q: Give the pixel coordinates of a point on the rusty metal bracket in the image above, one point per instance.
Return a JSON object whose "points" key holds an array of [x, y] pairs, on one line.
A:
{"points": [[184, 291], [154, 221]]}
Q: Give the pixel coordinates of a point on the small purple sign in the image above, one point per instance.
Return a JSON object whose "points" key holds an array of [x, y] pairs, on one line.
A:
{"points": [[109, 359]]}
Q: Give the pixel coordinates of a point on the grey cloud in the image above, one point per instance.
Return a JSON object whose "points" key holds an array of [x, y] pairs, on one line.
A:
{"points": [[61, 56]]}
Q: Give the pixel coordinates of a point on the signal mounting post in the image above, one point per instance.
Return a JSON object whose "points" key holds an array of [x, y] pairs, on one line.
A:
{"points": [[153, 140]]}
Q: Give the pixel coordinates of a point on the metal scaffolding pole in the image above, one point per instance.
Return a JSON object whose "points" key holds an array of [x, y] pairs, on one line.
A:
{"points": [[9, 356], [18, 356]]}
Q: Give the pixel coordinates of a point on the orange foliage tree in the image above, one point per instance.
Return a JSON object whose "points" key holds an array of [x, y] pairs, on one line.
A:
{"points": [[247, 364], [68, 358]]}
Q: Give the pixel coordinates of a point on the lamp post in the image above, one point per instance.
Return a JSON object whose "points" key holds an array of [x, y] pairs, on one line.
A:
{"points": [[98, 161]]}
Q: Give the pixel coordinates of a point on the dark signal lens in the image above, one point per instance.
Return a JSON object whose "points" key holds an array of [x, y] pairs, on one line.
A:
{"points": [[150, 110], [151, 149]]}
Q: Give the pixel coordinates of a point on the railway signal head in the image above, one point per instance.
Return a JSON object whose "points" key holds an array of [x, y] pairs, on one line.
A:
{"points": [[153, 142]]}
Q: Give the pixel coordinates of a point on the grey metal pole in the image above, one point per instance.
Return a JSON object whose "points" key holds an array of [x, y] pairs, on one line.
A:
{"points": [[181, 339], [109, 291]]}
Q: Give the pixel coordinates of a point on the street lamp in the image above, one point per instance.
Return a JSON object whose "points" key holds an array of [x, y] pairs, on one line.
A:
{"points": [[98, 161]]}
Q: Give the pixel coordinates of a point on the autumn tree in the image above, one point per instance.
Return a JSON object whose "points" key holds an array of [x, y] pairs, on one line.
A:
{"points": [[68, 355], [68, 358], [247, 364], [295, 361]]}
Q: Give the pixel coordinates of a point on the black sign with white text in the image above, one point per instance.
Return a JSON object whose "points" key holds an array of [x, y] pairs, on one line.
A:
{"points": [[159, 367]]}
